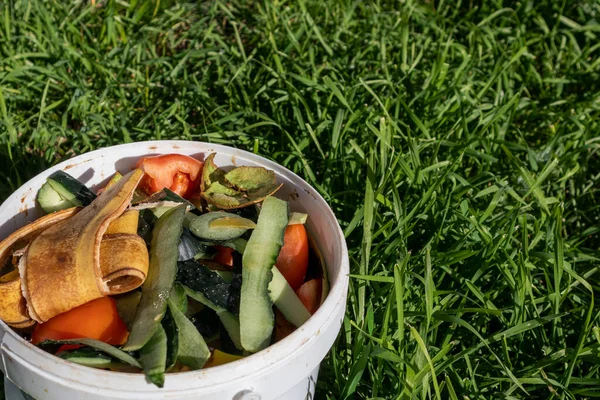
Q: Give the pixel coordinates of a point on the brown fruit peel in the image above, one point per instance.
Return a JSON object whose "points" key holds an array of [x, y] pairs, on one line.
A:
{"points": [[13, 309], [123, 261], [126, 223], [61, 267], [124, 256]]}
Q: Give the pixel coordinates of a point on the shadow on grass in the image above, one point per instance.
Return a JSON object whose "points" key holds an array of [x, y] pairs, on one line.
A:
{"points": [[17, 165]]}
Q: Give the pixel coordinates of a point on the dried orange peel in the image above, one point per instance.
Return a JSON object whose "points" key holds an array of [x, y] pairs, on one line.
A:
{"points": [[74, 256]]}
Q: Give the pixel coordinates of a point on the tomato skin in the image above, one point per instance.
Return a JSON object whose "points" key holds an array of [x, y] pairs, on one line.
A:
{"points": [[292, 261], [181, 184], [97, 319], [224, 256], [310, 294], [177, 172]]}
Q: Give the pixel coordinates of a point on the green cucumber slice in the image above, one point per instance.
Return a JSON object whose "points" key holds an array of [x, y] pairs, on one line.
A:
{"points": [[50, 200], [256, 312], [71, 189], [298, 218], [286, 300]]}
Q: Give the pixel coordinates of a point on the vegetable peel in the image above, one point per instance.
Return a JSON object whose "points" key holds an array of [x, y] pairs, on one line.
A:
{"points": [[240, 187]]}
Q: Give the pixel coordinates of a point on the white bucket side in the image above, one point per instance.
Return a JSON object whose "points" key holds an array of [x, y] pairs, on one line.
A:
{"points": [[269, 373]]}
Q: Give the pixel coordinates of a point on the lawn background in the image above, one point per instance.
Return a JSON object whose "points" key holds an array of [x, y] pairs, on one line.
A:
{"points": [[457, 142]]}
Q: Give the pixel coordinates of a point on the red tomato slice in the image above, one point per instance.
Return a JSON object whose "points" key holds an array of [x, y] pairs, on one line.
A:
{"points": [[292, 261], [310, 294], [97, 319], [224, 256], [177, 172]]}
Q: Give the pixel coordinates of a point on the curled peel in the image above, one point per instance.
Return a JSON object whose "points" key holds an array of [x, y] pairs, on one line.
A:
{"points": [[240, 187], [123, 261], [124, 256], [61, 268], [13, 309]]}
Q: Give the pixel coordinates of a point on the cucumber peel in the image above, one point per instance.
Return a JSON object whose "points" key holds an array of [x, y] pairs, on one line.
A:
{"points": [[50, 200], [87, 356], [256, 312], [229, 321], [192, 349], [298, 218], [153, 357], [98, 345], [160, 280]]}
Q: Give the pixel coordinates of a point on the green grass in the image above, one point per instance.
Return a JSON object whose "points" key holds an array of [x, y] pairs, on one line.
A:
{"points": [[457, 141]]}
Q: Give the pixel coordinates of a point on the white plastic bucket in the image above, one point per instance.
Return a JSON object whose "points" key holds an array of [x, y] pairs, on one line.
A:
{"points": [[286, 370]]}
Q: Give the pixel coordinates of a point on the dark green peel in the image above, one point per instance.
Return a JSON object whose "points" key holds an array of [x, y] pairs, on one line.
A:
{"points": [[160, 280], [86, 356], [230, 322], [201, 279], [192, 248], [153, 357], [71, 189], [170, 327], [95, 344], [191, 347]]}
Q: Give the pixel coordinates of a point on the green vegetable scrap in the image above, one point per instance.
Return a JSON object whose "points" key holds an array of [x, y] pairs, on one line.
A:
{"points": [[256, 311], [220, 225], [240, 187], [153, 357], [160, 280]]}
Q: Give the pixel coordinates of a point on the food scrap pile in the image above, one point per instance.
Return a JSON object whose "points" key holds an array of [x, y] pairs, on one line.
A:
{"points": [[175, 266]]}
